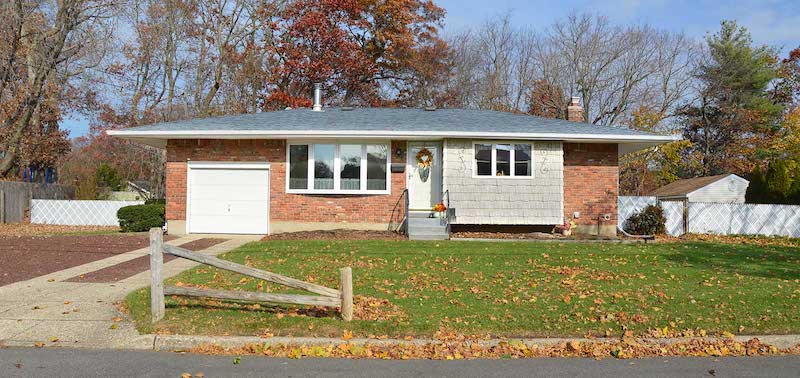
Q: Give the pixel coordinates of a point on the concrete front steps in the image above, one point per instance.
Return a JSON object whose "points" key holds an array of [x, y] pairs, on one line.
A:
{"points": [[422, 227]]}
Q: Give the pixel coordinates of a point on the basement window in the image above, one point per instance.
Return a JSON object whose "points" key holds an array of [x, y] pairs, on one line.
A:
{"points": [[338, 168], [503, 160]]}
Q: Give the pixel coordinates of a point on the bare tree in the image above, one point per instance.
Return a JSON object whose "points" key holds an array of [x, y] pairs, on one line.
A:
{"points": [[47, 44], [614, 70]]}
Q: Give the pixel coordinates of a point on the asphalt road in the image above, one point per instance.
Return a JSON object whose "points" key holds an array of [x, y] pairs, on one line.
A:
{"points": [[53, 362]]}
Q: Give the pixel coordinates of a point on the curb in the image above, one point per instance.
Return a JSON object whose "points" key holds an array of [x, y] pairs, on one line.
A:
{"points": [[177, 343]]}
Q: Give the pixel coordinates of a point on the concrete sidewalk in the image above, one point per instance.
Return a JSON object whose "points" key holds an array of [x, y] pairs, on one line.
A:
{"points": [[51, 311]]}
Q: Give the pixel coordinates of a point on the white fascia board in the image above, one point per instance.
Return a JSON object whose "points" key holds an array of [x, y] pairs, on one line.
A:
{"points": [[299, 134]]}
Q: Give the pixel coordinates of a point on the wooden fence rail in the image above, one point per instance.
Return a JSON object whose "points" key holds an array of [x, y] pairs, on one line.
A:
{"points": [[327, 297]]}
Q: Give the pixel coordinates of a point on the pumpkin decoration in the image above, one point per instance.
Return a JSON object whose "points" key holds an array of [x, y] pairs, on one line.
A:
{"points": [[424, 158]]}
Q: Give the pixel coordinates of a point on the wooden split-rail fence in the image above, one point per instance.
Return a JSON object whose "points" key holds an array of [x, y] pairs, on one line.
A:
{"points": [[327, 297]]}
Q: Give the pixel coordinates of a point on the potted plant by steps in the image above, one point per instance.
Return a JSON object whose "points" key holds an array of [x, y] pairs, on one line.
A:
{"points": [[439, 210], [566, 228]]}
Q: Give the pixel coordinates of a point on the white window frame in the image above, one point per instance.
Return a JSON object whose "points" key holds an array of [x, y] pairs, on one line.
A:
{"points": [[512, 160], [337, 164]]}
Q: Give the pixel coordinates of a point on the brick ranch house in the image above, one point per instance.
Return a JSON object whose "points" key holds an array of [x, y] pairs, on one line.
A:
{"points": [[318, 169]]}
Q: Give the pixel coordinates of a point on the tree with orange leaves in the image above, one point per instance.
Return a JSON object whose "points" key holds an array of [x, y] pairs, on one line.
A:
{"points": [[353, 47]]}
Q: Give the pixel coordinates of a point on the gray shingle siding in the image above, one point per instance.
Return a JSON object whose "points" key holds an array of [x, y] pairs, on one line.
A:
{"points": [[538, 200]]}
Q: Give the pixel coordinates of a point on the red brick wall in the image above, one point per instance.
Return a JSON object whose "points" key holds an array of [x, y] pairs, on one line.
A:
{"points": [[283, 206], [591, 181]]}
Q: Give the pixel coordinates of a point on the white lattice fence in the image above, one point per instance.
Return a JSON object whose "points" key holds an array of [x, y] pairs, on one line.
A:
{"points": [[673, 211], [77, 213], [629, 205], [744, 219]]}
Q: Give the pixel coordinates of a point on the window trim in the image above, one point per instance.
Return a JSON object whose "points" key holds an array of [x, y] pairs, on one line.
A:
{"points": [[337, 164], [512, 160]]}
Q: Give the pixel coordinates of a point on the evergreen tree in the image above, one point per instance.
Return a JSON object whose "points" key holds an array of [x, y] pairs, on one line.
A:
{"points": [[107, 177], [779, 182], [734, 117], [794, 196], [757, 189]]}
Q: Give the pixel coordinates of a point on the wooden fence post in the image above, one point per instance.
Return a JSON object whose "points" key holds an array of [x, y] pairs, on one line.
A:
{"points": [[156, 278], [346, 287], [685, 216]]}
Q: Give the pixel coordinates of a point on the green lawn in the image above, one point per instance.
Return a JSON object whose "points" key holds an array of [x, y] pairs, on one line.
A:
{"points": [[504, 289]]}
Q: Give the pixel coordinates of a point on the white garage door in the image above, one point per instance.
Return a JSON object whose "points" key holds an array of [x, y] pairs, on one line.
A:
{"points": [[228, 198]]}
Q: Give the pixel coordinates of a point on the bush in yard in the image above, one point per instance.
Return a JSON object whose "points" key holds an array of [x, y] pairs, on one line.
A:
{"points": [[139, 218], [155, 201], [649, 221]]}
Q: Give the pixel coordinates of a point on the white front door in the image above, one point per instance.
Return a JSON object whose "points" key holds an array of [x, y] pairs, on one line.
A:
{"points": [[228, 198], [424, 183]]}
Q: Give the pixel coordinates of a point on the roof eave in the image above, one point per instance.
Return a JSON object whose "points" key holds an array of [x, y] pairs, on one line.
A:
{"points": [[150, 137]]}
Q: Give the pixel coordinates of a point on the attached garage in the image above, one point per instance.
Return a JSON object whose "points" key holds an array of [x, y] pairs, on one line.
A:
{"points": [[227, 198]]}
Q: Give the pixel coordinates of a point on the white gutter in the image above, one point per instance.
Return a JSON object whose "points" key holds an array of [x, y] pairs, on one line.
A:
{"points": [[373, 134]]}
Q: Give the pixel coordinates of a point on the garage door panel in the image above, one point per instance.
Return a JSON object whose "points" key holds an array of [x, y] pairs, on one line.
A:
{"points": [[244, 193], [213, 224], [243, 177], [217, 207], [229, 200]]}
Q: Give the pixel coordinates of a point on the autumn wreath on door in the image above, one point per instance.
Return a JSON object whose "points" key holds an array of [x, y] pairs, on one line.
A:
{"points": [[424, 162]]}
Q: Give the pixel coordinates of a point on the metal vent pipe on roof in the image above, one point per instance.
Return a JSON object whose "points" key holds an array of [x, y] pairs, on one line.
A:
{"points": [[317, 97]]}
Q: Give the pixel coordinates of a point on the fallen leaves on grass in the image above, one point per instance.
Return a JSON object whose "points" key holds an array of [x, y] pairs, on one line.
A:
{"points": [[471, 349], [735, 239], [371, 308]]}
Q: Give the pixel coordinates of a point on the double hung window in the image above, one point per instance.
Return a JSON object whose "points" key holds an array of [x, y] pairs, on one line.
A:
{"points": [[503, 159]]}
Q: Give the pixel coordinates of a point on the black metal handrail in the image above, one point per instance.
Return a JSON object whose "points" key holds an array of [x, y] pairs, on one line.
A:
{"points": [[399, 218]]}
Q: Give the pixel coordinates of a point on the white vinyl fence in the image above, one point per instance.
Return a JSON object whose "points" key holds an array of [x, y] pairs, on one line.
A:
{"points": [[744, 219], [77, 213], [629, 205], [719, 218], [673, 211]]}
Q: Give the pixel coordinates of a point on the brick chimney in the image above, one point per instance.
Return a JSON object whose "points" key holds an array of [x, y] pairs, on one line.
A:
{"points": [[575, 110]]}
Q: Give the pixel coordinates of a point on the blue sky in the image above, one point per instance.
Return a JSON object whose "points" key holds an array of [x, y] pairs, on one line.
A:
{"points": [[772, 22]]}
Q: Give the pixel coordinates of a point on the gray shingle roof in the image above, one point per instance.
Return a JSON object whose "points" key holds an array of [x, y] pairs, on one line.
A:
{"points": [[389, 119], [686, 186]]}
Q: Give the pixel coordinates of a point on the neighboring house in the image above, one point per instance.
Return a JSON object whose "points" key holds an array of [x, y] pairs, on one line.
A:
{"points": [[348, 168], [725, 188], [134, 191]]}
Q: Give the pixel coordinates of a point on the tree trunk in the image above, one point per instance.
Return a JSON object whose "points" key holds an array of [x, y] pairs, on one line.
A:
{"points": [[205, 110], [7, 163], [65, 23]]}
